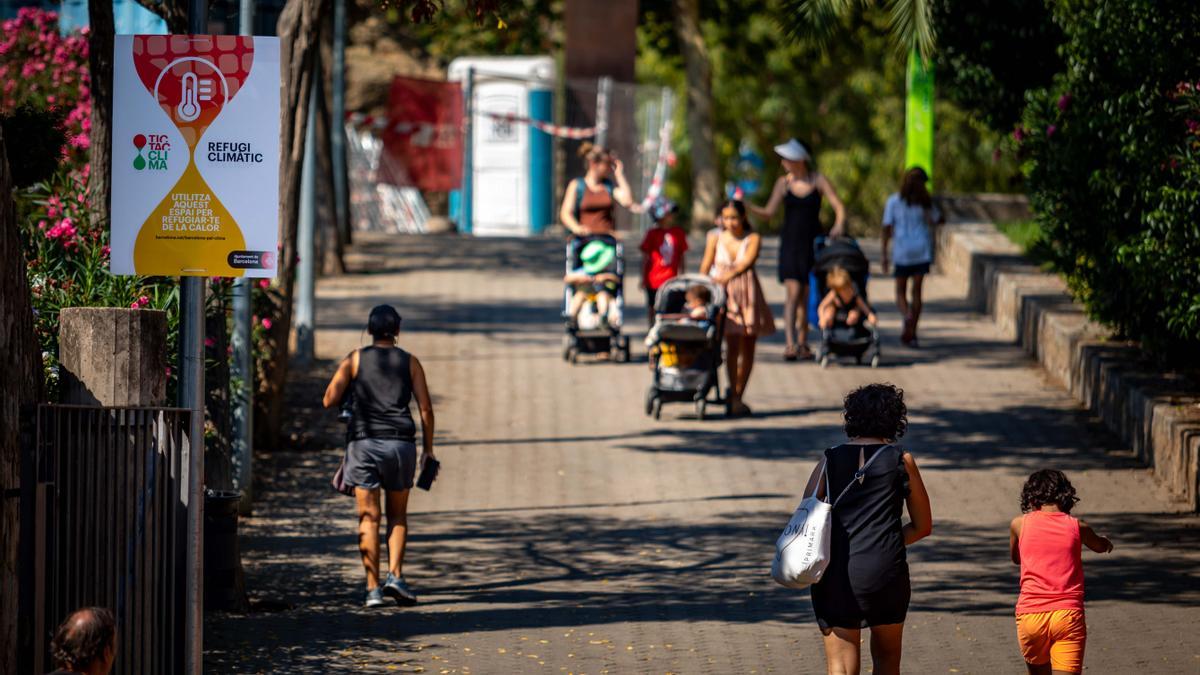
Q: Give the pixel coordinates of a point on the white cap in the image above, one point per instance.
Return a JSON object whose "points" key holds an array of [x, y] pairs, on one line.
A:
{"points": [[793, 150]]}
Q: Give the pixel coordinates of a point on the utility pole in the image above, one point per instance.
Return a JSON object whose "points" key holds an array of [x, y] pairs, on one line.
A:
{"points": [[242, 364], [191, 397]]}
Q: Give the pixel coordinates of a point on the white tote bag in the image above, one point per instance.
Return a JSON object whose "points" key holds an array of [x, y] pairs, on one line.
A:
{"points": [[802, 551]]}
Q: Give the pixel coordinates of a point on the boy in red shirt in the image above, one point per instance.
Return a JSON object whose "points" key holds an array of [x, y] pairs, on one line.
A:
{"points": [[663, 250]]}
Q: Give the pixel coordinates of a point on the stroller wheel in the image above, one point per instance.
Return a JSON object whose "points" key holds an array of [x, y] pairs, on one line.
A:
{"points": [[651, 395], [701, 409], [656, 408], [824, 361], [858, 359], [875, 361], [574, 357]]}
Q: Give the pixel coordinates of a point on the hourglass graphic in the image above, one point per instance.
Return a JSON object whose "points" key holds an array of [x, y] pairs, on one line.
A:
{"points": [[192, 78]]}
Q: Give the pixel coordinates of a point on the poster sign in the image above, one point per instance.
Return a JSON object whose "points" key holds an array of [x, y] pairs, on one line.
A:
{"points": [[423, 138], [195, 155], [918, 117]]}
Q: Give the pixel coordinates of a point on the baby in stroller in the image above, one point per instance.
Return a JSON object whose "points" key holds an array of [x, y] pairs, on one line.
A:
{"points": [[593, 275], [847, 321], [593, 305], [842, 305], [685, 343], [696, 301]]}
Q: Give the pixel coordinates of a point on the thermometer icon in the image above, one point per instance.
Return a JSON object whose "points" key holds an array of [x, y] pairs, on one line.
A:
{"points": [[189, 104]]}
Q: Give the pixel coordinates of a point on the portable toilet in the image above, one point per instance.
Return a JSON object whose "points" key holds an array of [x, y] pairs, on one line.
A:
{"points": [[508, 187]]}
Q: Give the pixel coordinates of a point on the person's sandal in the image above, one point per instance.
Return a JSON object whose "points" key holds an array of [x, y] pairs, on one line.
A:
{"points": [[789, 353], [806, 354]]}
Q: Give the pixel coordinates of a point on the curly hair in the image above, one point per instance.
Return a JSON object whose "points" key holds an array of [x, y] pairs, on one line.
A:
{"points": [[876, 411], [1048, 486], [81, 640]]}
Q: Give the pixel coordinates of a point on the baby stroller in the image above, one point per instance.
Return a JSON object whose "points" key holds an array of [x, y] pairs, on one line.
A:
{"points": [[589, 332], [689, 352], [861, 340]]}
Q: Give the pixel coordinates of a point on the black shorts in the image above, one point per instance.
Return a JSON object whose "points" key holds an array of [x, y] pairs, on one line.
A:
{"points": [[919, 269], [838, 604], [388, 463]]}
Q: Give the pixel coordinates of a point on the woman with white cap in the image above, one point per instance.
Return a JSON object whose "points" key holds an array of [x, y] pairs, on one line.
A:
{"points": [[800, 191]]}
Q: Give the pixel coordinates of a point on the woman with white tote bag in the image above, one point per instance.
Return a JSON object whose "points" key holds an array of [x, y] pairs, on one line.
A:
{"points": [[865, 583]]}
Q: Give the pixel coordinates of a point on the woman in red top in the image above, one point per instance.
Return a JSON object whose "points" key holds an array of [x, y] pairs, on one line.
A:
{"points": [[663, 250], [1046, 542]]}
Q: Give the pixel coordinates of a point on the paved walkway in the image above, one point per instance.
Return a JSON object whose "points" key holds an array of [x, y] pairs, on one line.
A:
{"points": [[570, 533]]}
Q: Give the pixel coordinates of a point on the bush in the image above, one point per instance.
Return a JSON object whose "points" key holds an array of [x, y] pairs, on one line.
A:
{"points": [[1112, 152]]}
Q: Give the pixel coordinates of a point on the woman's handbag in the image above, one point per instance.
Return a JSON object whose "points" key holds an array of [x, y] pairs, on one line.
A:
{"points": [[802, 552]]}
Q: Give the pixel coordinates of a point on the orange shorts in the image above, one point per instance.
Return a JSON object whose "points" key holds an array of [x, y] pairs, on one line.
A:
{"points": [[1057, 638]]}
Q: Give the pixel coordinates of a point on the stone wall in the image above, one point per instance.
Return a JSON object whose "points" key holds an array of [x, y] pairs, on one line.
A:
{"points": [[1157, 414]]}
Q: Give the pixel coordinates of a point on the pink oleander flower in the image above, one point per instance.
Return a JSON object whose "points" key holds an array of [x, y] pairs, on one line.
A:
{"points": [[1018, 134], [264, 283], [105, 251], [1051, 130], [266, 323], [1193, 126], [209, 342]]}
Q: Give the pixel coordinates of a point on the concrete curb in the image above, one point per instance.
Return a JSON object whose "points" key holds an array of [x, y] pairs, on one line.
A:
{"points": [[1157, 414]]}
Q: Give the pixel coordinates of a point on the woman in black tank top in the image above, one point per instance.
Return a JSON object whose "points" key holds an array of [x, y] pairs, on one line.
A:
{"points": [[866, 584], [799, 190], [380, 453]]}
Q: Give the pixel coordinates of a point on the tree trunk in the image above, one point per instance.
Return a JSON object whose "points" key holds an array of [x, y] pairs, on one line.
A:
{"points": [[21, 366], [332, 252], [100, 60], [299, 39], [706, 188], [174, 12]]}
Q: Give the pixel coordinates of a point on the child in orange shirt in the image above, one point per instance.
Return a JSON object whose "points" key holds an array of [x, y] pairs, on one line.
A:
{"points": [[1046, 542]]}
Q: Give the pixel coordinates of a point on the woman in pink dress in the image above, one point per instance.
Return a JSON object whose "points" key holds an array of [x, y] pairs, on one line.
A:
{"points": [[729, 258]]}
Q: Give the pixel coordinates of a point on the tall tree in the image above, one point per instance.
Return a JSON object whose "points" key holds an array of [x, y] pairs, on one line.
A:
{"points": [[910, 21], [21, 366], [705, 178]]}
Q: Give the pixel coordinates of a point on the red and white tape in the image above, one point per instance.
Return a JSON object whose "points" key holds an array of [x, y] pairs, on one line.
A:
{"points": [[660, 167], [546, 127]]}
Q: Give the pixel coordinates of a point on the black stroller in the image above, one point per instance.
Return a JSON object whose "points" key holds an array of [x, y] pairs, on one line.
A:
{"points": [[685, 354], [589, 332], [861, 340]]}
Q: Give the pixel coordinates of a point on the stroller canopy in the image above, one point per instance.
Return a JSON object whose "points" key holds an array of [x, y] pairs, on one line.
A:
{"points": [[670, 297]]}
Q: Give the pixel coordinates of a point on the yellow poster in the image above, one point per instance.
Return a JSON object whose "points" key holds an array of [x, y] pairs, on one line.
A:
{"points": [[195, 155]]}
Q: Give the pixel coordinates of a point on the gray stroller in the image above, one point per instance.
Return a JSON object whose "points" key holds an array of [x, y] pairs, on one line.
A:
{"points": [[688, 355]]}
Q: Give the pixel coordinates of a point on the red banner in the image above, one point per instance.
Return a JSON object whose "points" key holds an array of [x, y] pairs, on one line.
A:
{"points": [[423, 138]]}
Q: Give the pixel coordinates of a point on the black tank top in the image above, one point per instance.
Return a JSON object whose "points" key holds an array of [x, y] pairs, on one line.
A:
{"points": [[867, 533], [801, 218], [382, 392]]}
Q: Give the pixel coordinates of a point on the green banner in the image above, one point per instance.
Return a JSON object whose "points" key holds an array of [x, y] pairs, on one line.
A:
{"points": [[918, 115]]}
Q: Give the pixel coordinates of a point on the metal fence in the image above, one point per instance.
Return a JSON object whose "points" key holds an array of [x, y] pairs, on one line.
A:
{"points": [[104, 522]]}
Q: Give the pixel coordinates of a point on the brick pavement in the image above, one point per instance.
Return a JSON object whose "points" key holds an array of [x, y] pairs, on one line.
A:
{"points": [[571, 533]]}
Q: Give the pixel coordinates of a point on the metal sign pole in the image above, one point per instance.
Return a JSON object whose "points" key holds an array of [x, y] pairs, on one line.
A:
{"points": [[191, 397], [242, 363], [306, 271], [468, 177]]}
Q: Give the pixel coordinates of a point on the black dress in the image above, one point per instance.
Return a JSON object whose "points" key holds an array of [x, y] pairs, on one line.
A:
{"points": [[801, 227], [866, 583]]}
